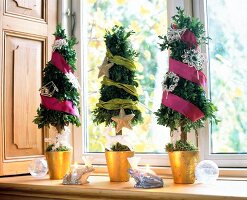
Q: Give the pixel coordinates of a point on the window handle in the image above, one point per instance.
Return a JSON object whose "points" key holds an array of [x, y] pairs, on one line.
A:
{"points": [[73, 20]]}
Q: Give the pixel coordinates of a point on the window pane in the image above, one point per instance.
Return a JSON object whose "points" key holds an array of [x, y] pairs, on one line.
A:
{"points": [[148, 18], [228, 69]]}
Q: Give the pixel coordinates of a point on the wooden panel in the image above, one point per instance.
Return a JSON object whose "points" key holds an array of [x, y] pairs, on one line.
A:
{"points": [[26, 8], [29, 27], [1, 92], [26, 82], [23, 65], [17, 24]]}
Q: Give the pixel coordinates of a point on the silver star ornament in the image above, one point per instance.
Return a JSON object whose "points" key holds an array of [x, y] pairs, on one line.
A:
{"points": [[104, 68], [123, 120]]}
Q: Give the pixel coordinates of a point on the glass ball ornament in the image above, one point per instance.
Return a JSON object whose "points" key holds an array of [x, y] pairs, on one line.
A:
{"points": [[207, 171], [38, 168]]}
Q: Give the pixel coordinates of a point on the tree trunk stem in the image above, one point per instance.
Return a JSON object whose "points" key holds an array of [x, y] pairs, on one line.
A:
{"points": [[183, 135]]}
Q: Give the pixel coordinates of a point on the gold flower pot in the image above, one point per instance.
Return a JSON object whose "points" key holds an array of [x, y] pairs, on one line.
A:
{"points": [[183, 164], [118, 165], [58, 163]]}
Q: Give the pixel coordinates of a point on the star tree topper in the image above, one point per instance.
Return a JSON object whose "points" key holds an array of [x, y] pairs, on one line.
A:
{"points": [[123, 120], [104, 68]]}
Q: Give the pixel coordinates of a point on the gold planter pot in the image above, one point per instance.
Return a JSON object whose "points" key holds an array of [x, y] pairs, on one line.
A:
{"points": [[118, 165], [183, 164], [58, 163]]}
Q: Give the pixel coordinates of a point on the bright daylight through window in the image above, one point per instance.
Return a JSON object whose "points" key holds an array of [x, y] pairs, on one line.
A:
{"points": [[228, 69], [148, 19]]}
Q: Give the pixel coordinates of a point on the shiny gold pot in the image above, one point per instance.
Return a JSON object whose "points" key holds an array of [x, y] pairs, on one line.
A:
{"points": [[58, 163], [118, 165], [183, 164]]}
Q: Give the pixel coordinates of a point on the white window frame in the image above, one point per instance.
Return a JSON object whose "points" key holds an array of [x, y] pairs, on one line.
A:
{"points": [[223, 160], [78, 133], [194, 8]]}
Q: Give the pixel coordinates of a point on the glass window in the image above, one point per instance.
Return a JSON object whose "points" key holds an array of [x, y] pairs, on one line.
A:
{"points": [[228, 69], [148, 18]]}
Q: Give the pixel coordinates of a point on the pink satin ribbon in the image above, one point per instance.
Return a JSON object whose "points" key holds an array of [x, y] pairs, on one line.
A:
{"points": [[55, 104], [189, 38], [182, 106], [188, 73], [58, 38], [58, 60]]}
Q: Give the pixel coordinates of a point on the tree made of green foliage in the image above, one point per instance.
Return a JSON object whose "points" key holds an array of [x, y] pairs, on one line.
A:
{"points": [[66, 90], [118, 44], [185, 89]]}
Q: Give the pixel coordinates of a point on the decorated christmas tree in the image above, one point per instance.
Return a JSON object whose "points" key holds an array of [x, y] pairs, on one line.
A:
{"points": [[59, 92], [184, 101], [118, 101]]}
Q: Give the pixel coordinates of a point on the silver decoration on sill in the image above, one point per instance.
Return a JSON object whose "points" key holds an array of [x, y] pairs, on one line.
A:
{"points": [[146, 180], [78, 176], [38, 168], [207, 172], [48, 89]]}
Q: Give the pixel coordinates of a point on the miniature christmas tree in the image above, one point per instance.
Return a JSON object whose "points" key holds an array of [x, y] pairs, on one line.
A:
{"points": [[118, 101], [184, 101], [59, 92]]}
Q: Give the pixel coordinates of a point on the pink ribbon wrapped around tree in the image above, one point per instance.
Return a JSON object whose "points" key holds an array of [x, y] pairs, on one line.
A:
{"points": [[184, 103]]}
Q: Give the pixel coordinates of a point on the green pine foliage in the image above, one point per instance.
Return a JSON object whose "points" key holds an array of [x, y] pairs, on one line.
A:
{"points": [[60, 148], [185, 89], [47, 117], [183, 21], [119, 147], [117, 41], [181, 146]]}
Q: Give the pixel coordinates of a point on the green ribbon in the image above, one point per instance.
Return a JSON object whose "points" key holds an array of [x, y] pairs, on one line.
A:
{"points": [[129, 64], [116, 104], [128, 88]]}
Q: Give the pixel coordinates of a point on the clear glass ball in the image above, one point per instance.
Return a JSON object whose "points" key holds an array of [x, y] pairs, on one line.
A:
{"points": [[38, 168], [207, 171]]}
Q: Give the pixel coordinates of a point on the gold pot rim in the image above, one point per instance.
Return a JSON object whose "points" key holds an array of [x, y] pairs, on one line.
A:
{"points": [[57, 151], [119, 151], [184, 151]]}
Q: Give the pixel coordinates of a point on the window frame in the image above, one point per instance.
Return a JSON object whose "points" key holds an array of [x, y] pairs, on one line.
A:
{"points": [[222, 160], [79, 139], [195, 8]]}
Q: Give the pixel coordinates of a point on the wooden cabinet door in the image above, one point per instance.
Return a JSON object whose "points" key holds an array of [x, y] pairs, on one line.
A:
{"points": [[25, 39]]}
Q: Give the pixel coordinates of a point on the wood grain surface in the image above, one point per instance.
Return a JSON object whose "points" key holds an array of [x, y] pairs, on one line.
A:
{"points": [[27, 187]]}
